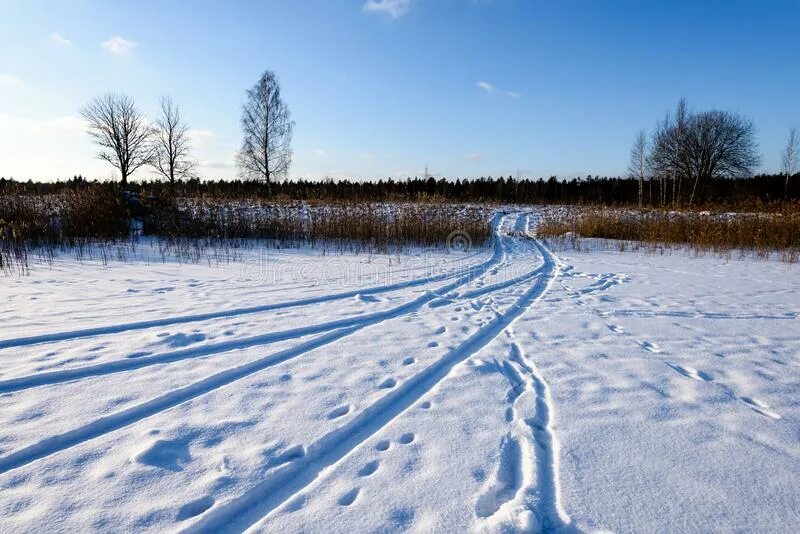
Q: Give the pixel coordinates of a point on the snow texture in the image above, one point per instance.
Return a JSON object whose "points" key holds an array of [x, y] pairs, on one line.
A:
{"points": [[505, 389]]}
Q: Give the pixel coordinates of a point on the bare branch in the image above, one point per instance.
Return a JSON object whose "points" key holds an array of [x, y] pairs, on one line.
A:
{"points": [[171, 144], [267, 132], [121, 131]]}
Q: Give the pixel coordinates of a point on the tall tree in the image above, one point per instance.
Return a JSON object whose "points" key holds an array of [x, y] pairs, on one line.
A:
{"points": [[172, 148], [267, 132], [718, 144], [681, 120], [122, 132], [701, 146], [638, 164], [790, 158]]}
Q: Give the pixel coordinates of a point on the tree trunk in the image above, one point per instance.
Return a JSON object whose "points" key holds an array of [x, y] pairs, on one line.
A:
{"points": [[694, 188]]}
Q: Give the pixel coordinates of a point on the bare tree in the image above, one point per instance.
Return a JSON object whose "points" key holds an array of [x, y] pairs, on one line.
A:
{"points": [[702, 146], [266, 148], [638, 165], [790, 158], [121, 131], [719, 144], [681, 120], [662, 156], [172, 148]]}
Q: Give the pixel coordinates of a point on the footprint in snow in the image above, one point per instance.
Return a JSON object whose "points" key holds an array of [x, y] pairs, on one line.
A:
{"points": [[649, 346], [617, 329], [407, 438], [195, 508], [383, 445], [506, 481], [349, 498], [691, 372], [760, 407], [340, 411], [409, 361], [369, 468], [388, 383]]}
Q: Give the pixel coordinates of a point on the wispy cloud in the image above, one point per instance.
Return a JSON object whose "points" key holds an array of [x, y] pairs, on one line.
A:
{"points": [[118, 46], [475, 156], [486, 86], [392, 8], [212, 164], [59, 40], [72, 125], [320, 153], [491, 89], [199, 137]]}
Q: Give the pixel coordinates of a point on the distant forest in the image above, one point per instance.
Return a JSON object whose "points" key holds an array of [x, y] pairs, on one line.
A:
{"points": [[589, 190]]}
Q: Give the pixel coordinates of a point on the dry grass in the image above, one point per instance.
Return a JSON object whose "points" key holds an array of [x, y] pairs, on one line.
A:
{"points": [[99, 220], [759, 234]]}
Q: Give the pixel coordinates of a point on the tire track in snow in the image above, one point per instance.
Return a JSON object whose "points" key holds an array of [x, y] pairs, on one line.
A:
{"points": [[110, 423], [141, 325], [547, 508], [130, 364], [285, 482]]}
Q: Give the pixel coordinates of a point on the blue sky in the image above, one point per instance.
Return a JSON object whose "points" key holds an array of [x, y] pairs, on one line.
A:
{"points": [[382, 88]]}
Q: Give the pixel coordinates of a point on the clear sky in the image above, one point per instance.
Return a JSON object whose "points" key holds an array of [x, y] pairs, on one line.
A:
{"points": [[382, 88]]}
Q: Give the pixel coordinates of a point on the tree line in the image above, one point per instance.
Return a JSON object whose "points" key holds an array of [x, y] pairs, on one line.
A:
{"points": [[691, 157], [620, 191]]}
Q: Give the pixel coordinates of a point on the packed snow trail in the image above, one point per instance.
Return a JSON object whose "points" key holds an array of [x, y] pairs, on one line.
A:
{"points": [[54, 444], [506, 404], [289, 479]]}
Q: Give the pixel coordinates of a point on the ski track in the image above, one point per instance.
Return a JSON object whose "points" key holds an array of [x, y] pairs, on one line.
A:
{"points": [[141, 325], [129, 364], [104, 425], [286, 482], [530, 447]]}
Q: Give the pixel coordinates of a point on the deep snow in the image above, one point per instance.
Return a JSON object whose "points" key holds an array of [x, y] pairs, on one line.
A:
{"points": [[505, 389]]}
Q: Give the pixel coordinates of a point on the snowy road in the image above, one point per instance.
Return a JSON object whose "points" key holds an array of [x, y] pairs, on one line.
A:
{"points": [[500, 390]]}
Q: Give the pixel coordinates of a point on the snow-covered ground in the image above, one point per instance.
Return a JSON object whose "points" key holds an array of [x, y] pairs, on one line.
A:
{"points": [[500, 390]]}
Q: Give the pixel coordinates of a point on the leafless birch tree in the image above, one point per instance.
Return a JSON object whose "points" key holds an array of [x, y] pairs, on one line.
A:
{"points": [[172, 148], [790, 158], [638, 165], [122, 132], [267, 129]]}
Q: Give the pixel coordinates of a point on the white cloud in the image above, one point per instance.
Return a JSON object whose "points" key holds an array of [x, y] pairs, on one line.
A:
{"points": [[490, 89], [118, 46], [475, 156], [59, 39], [392, 8], [321, 153], [211, 164], [199, 137], [486, 86], [71, 125], [6, 80]]}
